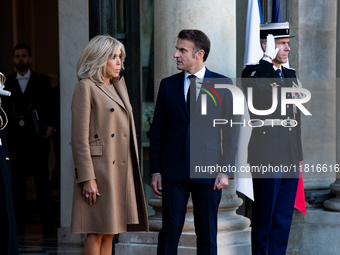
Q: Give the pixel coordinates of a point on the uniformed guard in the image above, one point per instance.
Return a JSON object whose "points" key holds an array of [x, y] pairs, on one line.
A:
{"points": [[8, 232], [275, 145]]}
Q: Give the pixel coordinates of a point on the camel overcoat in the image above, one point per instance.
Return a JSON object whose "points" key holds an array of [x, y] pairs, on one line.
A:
{"points": [[104, 148]]}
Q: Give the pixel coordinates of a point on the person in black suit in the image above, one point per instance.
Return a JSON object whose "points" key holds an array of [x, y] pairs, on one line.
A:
{"points": [[8, 232], [179, 141], [29, 130], [273, 144]]}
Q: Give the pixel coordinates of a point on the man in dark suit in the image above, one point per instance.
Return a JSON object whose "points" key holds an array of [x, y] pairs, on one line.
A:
{"points": [[179, 141], [29, 130], [273, 143]]}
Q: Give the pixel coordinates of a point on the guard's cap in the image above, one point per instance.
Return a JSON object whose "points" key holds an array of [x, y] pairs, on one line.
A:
{"points": [[278, 30]]}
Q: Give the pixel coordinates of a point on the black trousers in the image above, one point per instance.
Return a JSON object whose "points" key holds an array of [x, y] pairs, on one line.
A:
{"points": [[31, 159], [174, 201], [4, 229], [272, 214]]}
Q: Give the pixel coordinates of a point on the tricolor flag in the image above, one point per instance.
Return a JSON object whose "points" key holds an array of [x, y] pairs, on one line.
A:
{"points": [[276, 11], [253, 53]]}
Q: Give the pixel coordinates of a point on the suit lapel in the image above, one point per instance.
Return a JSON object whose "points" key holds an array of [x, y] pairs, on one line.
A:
{"points": [[30, 84], [180, 92], [290, 78], [206, 80], [16, 87]]}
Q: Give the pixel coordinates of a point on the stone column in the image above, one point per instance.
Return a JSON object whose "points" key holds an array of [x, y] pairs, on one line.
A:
{"points": [[218, 21], [73, 37], [314, 55], [334, 203], [316, 69]]}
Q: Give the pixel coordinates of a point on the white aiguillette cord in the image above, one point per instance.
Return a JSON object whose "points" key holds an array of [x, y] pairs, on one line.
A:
{"points": [[4, 93]]}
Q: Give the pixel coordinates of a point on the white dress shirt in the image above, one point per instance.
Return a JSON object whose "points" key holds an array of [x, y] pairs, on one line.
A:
{"points": [[23, 80], [200, 75]]}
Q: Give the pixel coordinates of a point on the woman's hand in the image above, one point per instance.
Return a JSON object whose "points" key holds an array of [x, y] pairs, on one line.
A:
{"points": [[90, 192]]}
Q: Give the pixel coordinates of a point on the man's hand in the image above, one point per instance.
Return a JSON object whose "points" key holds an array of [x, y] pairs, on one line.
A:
{"points": [[271, 51], [156, 184], [221, 181], [49, 132]]}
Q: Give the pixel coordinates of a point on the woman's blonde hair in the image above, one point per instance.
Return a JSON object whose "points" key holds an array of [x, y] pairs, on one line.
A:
{"points": [[93, 60]]}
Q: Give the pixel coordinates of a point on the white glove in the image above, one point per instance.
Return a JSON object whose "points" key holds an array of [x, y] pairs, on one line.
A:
{"points": [[270, 47]]}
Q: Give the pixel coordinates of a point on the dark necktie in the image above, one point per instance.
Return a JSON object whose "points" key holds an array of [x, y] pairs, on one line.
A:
{"points": [[280, 73], [191, 95]]}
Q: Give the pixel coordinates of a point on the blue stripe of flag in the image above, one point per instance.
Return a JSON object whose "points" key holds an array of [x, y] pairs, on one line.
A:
{"points": [[260, 10], [276, 11]]}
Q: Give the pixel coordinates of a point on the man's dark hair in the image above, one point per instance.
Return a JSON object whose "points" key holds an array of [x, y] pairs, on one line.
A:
{"points": [[199, 38], [22, 46]]}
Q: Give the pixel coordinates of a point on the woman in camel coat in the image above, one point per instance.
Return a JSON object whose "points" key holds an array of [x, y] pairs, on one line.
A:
{"points": [[108, 194]]}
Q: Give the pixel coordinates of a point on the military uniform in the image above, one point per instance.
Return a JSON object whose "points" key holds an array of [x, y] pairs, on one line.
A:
{"points": [[278, 146]]}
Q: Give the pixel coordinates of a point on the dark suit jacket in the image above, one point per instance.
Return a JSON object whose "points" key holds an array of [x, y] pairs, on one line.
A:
{"points": [[272, 145], [172, 134], [33, 107]]}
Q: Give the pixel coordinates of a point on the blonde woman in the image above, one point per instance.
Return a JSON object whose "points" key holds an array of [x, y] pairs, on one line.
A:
{"points": [[108, 195]]}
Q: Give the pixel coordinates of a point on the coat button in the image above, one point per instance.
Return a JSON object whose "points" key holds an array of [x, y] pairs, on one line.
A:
{"points": [[290, 129], [113, 161], [112, 135], [112, 109], [96, 136], [264, 132]]}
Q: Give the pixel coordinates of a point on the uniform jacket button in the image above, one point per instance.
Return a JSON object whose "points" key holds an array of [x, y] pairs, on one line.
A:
{"points": [[112, 109], [95, 136]]}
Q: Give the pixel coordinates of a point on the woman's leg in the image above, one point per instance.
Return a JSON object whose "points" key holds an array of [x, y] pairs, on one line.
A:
{"points": [[106, 248], [93, 244]]}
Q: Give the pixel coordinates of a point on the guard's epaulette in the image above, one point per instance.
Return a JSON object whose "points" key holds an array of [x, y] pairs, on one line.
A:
{"points": [[291, 69], [252, 64]]}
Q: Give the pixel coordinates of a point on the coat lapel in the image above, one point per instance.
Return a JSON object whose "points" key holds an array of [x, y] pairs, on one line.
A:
{"points": [[110, 93], [123, 93]]}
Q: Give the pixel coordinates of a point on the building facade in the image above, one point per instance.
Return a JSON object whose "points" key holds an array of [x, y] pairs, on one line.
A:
{"points": [[148, 29]]}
